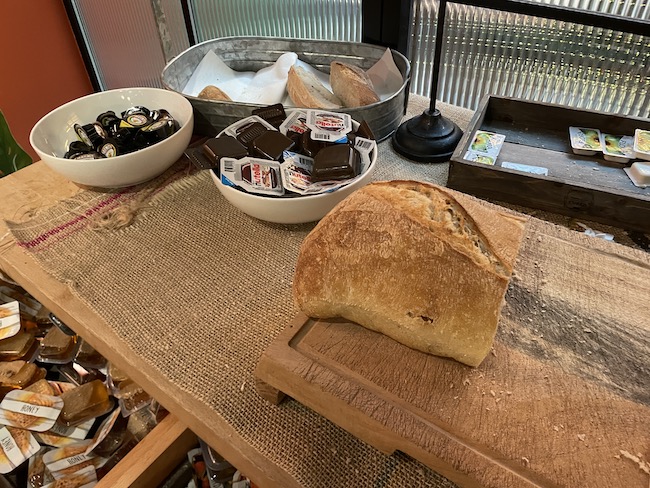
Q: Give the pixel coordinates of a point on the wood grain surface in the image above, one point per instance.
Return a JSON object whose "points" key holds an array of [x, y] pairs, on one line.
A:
{"points": [[563, 400]]}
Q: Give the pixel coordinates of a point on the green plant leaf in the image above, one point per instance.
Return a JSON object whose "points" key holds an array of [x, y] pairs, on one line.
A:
{"points": [[12, 156]]}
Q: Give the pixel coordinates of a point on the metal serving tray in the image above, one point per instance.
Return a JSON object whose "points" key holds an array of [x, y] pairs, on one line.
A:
{"points": [[255, 53]]}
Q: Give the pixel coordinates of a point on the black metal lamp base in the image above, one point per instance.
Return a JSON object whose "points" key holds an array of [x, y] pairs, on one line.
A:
{"points": [[428, 138]]}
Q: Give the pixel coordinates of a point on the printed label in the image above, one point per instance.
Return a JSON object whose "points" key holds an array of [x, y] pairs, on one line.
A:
{"points": [[328, 126], [585, 139], [296, 121], [537, 170]]}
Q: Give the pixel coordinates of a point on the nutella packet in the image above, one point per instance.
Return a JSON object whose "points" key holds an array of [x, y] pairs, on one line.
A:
{"points": [[296, 173], [83, 478], [253, 175], [68, 460], [29, 410], [365, 147], [585, 141], [16, 447], [9, 319], [236, 128], [485, 147], [296, 122], [329, 126]]}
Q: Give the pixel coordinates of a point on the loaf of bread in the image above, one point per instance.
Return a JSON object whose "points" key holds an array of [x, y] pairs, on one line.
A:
{"points": [[305, 90], [211, 92], [352, 85], [424, 265]]}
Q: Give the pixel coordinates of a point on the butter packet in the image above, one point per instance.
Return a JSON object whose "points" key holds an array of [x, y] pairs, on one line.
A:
{"points": [[9, 319], [642, 144], [253, 175], [16, 447], [328, 126], [619, 149], [585, 141], [30, 410], [83, 478]]}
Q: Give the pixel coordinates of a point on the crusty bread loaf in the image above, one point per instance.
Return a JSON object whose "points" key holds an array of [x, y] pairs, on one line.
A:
{"points": [[422, 264], [212, 92], [305, 90], [352, 85]]}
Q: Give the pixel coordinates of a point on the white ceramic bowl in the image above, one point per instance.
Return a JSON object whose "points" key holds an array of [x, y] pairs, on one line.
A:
{"points": [[52, 135], [293, 210]]}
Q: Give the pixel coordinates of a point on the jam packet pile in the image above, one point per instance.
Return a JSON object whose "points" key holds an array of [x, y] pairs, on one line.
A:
{"points": [[305, 153]]}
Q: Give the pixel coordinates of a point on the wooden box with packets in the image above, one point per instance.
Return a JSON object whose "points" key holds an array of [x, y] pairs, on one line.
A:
{"points": [[520, 152]]}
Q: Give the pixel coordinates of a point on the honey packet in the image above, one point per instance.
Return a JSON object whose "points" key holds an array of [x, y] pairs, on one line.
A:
{"points": [[30, 410], [60, 435], [83, 478], [16, 447], [67, 460], [9, 319]]}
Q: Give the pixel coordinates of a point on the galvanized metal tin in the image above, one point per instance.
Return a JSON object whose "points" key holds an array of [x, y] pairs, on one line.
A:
{"points": [[255, 53]]}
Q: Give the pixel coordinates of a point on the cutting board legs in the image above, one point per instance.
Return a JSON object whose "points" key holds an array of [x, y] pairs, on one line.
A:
{"points": [[269, 393]]}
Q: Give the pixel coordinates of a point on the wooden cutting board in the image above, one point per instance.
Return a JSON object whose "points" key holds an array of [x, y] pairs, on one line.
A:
{"points": [[563, 400]]}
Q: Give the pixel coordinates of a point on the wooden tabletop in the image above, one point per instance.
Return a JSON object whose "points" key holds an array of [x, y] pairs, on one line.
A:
{"points": [[37, 187]]}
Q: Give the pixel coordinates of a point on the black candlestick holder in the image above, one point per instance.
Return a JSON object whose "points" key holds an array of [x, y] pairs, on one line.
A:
{"points": [[429, 137]]}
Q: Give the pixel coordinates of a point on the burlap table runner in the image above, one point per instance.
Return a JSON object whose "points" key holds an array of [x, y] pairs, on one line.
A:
{"points": [[199, 290]]}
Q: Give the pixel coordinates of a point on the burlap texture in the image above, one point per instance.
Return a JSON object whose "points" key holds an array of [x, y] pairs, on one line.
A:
{"points": [[199, 290]]}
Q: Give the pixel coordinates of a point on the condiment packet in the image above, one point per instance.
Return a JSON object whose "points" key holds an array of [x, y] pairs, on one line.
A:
{"points": [[67, 460], [16, 446], [485, 147], [103, 430], [585, 141], [296, 173], [328, 126], [61, 435], [642, 144], [296, 122], [37, 474], [131, 397], [83, 478], [9, 319], [237, 127], [639, 174], [253, 175], [365, 148], [619, 149], [29, 410]]}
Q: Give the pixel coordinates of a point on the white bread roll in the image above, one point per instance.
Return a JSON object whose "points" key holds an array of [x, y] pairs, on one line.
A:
{"points": [[211, 92], [424, 265], [305, 90], [352, 85]]}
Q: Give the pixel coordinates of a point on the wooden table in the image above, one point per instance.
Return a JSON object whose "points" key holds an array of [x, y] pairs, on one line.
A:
{"points": [[37, 186]]}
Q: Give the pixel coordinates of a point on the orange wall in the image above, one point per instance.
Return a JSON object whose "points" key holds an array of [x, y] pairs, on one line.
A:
{"points": [[41, 64]]}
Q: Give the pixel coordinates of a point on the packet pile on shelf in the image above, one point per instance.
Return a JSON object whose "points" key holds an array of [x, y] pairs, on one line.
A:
{"points": [[67, 416], [270, 153], [620, 149]]}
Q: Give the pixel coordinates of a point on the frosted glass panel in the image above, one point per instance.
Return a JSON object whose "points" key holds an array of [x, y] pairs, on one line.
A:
{"points": [[124, 39], [487, 51], [307, 19]]}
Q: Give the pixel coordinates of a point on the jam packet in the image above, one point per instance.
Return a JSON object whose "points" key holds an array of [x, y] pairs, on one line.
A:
{"points": [[29, 410], [9, 319], [585, 141], [328, 126], [485, 147], [253, 175], [642, 144], [16, 447], [619, 149]]}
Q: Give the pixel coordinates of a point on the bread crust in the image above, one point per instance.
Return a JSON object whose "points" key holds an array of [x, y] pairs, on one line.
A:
{"points": [[305, 90], [352, 85], [424, 265], [211, 92]]}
